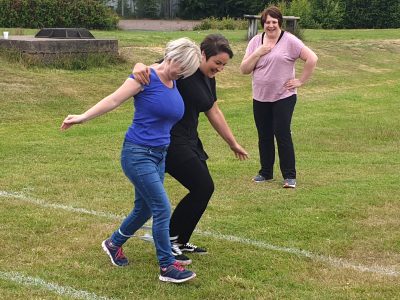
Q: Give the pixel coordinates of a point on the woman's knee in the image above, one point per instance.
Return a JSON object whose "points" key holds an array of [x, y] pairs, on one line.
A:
{"points": [[204, 190], [162, 214]]}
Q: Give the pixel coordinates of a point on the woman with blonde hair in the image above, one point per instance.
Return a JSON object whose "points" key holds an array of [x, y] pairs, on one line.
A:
{"points": [[158, 106], [186, 158]]}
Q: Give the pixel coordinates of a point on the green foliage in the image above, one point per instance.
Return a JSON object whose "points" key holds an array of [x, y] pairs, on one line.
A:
{"points": [[371, 14], [148, 8], [327, 14], [91, 14], [313, 13], [221, 24], [200, 9], [302, 9]]}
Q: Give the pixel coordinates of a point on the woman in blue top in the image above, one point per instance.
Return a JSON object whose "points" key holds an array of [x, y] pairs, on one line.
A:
{"points": [[186, 158], [158, 107]]}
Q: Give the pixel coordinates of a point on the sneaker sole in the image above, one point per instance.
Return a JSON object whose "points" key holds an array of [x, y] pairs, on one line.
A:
{"points": [[258, 181], [184, 262], [103, 245], [173, 280], [194, 252], [289, 186]]}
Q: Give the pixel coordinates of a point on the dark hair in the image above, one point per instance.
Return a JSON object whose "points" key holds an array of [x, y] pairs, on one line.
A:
{"points": [[215, 43], [273, 12]]}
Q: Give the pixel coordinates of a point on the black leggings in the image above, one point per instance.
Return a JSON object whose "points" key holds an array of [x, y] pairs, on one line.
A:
{"points": [[273, 119], [193, 175]]}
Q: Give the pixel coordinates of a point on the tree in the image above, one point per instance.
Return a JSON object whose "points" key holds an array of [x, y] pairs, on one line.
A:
{"points": [[328, 13], [371, 14], [199, 9], [148, 8]]}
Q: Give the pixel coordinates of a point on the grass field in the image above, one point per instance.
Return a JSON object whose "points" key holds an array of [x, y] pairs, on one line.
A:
{"points": [[336, 236]]}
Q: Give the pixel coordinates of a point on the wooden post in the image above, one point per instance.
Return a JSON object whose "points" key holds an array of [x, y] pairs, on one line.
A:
{"points": [[291, 23], [253, 25]]}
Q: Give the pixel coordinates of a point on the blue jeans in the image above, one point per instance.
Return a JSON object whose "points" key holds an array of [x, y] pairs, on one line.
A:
{"points": [[145, 168]]}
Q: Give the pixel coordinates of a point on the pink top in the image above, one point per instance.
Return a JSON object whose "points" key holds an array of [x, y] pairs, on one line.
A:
{"points": [[274, 69]]}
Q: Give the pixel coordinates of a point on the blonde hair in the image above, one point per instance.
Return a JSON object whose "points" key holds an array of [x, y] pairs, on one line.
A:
{"points": [[185, 52]]}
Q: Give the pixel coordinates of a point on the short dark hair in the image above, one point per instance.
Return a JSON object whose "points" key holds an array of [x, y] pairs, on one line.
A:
{"points": [[215, 43], [273, 12]]}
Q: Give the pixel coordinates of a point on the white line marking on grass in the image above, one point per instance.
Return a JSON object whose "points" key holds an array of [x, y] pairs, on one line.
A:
{"points": [[53, 287], [42, 203], [336, 262], [59, 206]]}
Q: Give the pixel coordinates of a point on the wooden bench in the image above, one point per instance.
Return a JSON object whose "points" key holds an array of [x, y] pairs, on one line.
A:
{"points": [[290, 24]]}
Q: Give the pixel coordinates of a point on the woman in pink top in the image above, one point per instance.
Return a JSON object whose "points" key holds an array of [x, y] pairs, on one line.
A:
{"points": [[271, 57]]}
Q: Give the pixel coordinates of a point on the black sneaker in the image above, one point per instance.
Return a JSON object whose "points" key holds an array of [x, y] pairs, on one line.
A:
{"points": [[179, 257], [115, 253], [188, 247], [175, 273], [259, 178]]}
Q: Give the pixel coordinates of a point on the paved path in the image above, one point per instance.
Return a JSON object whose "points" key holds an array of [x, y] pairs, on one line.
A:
{"points": [[165, 25]]}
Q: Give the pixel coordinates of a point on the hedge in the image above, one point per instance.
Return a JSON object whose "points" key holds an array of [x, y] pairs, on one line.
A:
{"points": [[91, 14]]}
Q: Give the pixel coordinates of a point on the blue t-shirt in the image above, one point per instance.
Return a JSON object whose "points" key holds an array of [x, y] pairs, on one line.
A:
{"points": [[157, 109]]}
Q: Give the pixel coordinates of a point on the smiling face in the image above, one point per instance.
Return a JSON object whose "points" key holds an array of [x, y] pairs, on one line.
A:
{"points": [[271, 26], [214, 64]]}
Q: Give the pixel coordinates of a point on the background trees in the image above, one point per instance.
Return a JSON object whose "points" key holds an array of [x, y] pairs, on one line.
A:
{"points": [[313, 13], [94, 13], [90, 14]]}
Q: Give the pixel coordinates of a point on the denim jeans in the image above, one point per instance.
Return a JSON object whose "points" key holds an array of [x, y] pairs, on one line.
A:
{"points": [[145, 168]]}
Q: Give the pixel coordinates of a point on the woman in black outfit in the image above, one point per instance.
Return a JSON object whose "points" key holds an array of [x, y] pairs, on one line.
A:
{"points": [[186, 158]]}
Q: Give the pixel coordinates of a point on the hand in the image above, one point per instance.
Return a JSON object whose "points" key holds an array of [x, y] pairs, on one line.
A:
{"points": [[239, 151], [141, 73], [293, 83], [72, 120], [262, 50]]}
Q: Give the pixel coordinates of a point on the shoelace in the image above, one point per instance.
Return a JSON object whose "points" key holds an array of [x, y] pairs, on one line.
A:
{"points": [[178, 266], [120, 253], [191, 245], [176, 249]]}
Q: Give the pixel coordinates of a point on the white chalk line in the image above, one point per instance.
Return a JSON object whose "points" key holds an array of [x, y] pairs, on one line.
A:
{"points": [[335, 262], [53, 287]]}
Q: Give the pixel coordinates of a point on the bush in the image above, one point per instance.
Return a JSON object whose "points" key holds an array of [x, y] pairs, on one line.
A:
{"points": [[328, 14], [91, 14], [302, 9], [221, 24], [371, 14], [148, 8]]}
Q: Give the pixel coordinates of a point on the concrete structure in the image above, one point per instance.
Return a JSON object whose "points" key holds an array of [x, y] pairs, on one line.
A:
{"points": [[49, 49]]}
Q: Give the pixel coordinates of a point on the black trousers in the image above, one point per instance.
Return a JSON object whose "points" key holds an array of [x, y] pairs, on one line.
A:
{"points": [[273, 120], [194, 175]]}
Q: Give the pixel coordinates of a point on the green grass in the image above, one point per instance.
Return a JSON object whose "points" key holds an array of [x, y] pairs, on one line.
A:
{"points": [[346, 133]]}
